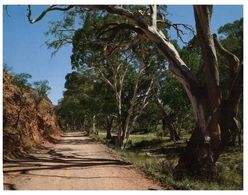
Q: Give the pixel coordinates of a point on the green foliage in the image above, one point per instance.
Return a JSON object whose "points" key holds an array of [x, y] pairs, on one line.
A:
{"points": [[231, 35], [92, 51], [175, 98], [85, 96], [149, 119], [71, 107], [158, 157], [100, 137], [159, 160], [41, 89], [61, 32], [191, 54], [144, 143], [93, 48], [21, 80]]}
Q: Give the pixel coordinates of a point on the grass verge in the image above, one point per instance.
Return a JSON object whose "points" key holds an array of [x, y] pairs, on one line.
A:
{"points": [[157, 157]]}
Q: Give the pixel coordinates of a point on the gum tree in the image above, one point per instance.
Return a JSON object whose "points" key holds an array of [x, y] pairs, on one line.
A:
{"points": [[215, 113]]}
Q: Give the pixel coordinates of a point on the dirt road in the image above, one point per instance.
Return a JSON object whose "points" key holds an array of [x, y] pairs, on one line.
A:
{"points": [[75, 163]]}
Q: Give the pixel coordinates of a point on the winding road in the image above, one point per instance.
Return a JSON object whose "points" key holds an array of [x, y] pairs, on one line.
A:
{"points": [[76, 163]]}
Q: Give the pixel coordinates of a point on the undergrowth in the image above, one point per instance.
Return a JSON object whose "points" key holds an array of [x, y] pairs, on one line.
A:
{"points": [[157, 157]]}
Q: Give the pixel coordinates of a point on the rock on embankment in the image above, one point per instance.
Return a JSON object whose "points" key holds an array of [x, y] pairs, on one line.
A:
{"points": [[26, 122]]}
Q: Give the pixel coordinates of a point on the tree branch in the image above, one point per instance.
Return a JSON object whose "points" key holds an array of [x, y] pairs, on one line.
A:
{"points": [[180, 32], [126, 44], [154, 15], [104, 77], [231, 58], [178, 67], [144, 101], [117, 28], [49, 9]]}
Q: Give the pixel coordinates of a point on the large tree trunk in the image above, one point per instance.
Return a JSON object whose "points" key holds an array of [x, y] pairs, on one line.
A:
{"points": [[198, 158], [221, 123], [123, 132], [122, 135]]}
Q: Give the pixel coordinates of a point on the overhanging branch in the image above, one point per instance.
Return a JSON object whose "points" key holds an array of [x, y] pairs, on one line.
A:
{"points": [[231, 58], [43, 13], [117, 28], [177, 28]]}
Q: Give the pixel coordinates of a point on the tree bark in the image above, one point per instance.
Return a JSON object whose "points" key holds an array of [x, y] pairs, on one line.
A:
{"points": [[198, 158], [229, 122], [221, 113]]}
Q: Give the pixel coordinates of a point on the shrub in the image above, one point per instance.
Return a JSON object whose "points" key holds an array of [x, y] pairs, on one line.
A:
{"points": [[41, 89]]}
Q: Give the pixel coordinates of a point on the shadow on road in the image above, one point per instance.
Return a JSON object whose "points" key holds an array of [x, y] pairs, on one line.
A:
{"points": [[66, 161], [77, 142], [9, 186], [55, 161], [79, 134]]}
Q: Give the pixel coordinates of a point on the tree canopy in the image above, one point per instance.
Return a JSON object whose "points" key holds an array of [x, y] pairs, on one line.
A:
{"points": [[127, 46]]}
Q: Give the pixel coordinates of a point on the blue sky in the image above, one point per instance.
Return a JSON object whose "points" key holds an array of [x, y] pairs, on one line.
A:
{"points": [[24, 49]]}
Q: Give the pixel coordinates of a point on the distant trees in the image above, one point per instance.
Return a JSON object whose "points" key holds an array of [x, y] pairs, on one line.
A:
{"points": [[71, 110], [87, 102]]}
